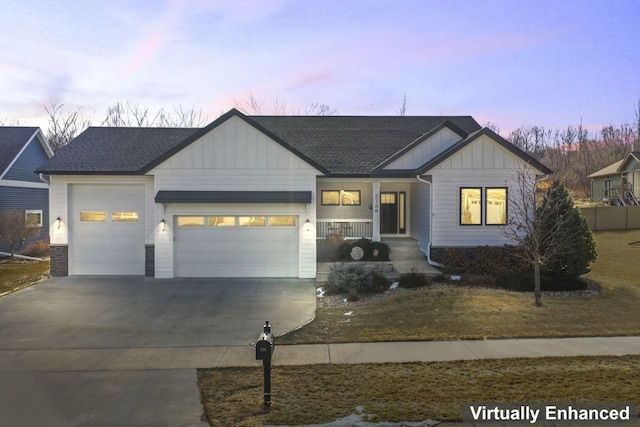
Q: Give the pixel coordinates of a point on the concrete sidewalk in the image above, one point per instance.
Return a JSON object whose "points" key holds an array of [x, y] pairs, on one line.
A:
{"points": [[394, 352]]}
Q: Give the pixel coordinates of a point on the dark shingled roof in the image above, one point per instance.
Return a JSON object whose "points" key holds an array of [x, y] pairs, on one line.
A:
{"points": [[354, 145], [337, 145], [12, 139], [115, 150]]}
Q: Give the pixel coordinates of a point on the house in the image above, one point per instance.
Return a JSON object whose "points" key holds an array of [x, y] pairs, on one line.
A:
{"points": [[619, 183], [22, 150], [250, 195]]}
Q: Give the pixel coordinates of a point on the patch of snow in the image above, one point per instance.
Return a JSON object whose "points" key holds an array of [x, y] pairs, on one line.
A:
{"points": [[349, 313], [456, 277], [320, 292], [394, 285], [357, 420]]}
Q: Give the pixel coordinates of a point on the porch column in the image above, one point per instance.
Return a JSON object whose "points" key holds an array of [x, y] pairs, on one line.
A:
{"points": [[376, 211]]}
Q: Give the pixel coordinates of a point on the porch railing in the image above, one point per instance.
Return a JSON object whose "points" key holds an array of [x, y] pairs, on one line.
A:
{"points": [[347, 229]]}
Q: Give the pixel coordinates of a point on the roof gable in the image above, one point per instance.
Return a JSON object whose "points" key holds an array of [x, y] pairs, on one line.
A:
{"points": [[233, 144], [425, 148], [611, 169], [449, 153], [14, 141], [631, 162], [216, 124]]}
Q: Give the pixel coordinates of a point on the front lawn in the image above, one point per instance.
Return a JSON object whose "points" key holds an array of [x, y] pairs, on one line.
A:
{"points": [[411, 391], [461, 312], [15, 276]]}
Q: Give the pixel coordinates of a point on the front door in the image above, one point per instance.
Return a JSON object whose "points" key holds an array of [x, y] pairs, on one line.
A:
{"points": [[388, 213]]}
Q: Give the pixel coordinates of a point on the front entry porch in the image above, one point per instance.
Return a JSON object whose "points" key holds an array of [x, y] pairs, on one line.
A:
{"points": [[405, 257]]}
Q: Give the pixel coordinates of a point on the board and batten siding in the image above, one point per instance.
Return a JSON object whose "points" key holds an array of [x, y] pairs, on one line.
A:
{"points": [[426, 150], [234, 156], [483, 163]]}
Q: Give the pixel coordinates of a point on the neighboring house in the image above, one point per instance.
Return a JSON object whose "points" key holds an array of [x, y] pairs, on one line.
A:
{"points": [[619, 183], [250, 195], [22, 150]]}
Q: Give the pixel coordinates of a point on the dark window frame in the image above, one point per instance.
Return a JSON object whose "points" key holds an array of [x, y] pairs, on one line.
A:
{"points": [[351, 191], [506, 206], [322, 203], [460, 207]]}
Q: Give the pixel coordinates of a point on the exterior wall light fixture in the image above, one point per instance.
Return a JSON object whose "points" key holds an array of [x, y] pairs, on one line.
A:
{"points": [[163, 224], [58, 221], [308, 225]]}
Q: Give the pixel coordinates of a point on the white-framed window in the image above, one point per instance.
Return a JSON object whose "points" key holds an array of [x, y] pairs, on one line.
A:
{"points": [[33, 218]]}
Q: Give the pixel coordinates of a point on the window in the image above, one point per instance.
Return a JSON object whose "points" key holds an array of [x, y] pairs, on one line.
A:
{"points": [[252, 221], [330, 198], [607, 187], [496, 207], [124, 216], [33, 219], [388, 198], [471, 206], [282, 221], [93, 216], [191, 221], [340, 197], [222, 221], [351, 197]]}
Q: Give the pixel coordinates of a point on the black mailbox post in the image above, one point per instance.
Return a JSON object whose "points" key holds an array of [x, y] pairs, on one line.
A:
{"points": [[264, 352]]}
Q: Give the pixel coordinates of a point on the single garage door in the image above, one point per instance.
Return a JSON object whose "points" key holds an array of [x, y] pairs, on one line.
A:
{"points": [[106, 229], [237, 246]]}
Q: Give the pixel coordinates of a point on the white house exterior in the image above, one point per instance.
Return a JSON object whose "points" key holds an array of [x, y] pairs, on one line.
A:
{"points": [[249, 196]]}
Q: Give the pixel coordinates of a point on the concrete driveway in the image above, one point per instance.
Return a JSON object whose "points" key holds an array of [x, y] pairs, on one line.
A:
{"points": [[122, 350]]}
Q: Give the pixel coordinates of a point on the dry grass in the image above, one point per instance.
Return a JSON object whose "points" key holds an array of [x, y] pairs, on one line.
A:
{"points": [[15, 276], [478, 313], [411, 391]]}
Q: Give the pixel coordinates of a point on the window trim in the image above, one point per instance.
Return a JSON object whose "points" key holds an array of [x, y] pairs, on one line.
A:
{"points": [[506, 206], [460, 207], [33, 212]]}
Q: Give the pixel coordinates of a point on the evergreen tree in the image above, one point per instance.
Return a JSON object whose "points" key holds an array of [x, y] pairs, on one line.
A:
{"points": [[578, 248]]}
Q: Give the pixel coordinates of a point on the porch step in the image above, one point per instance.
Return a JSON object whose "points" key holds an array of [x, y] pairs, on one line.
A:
{"points": [[407, 257]]}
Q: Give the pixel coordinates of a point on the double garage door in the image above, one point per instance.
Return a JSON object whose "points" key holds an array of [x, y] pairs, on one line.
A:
{"points": [[106, 229], [245, 245]]}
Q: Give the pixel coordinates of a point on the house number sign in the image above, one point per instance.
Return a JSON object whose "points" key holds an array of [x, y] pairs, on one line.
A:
{"points": [[376, 203]]}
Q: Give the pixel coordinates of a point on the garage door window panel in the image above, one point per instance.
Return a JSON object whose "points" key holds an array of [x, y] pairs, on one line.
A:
{"points": [[93, 216], [282, 221], [252, 221], [222, 221], [191, 221], [124, 216]]}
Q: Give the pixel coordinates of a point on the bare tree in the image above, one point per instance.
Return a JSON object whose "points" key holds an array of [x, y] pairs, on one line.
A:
{"points": [[15, 227], [494, 127], [128, 114], [402, 111], [65, 123], [537, 226], [255, 106]]}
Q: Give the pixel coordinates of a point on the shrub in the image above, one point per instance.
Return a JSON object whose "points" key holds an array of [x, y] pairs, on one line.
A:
{"points": [[523, 282], [328, 249], [353, 280], [579, 248], [37, 249], [484, 260], [369, 248], [380, 283], [440, 278], [413, 280]]}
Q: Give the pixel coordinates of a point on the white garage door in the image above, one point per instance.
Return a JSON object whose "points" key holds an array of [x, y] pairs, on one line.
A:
{"points": [[237, 246], [106, 229]]}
